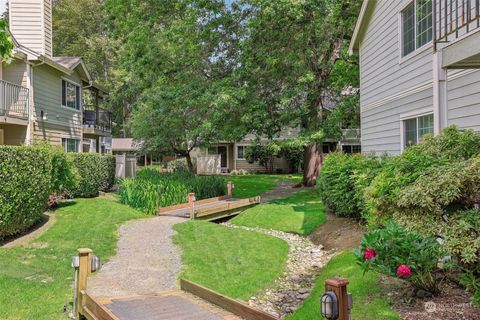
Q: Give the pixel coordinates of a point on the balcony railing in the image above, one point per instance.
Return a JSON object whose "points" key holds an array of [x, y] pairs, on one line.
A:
{"points": [[351, 134], [13, 100], [99, 119], [454, 18]]}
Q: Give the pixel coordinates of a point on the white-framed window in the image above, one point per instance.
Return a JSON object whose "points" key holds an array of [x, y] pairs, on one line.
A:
{"points": [[70, 145], [415, 128], [417, 25], [241, 152], [71, 96]]}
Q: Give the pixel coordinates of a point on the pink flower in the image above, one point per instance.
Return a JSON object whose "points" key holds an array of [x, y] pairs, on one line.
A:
{"points": [[404, 271], [370, 254]]}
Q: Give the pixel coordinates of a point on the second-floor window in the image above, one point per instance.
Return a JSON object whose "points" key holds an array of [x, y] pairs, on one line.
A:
{"points": [[416, 25], [70, 95]]}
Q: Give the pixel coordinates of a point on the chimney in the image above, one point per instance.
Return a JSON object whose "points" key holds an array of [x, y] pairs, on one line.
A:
{"points": [[31, 24]]}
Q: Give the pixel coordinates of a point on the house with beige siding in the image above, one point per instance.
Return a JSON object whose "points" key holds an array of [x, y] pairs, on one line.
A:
{"points": [[419, 70], [43, 98], [227, 156]]}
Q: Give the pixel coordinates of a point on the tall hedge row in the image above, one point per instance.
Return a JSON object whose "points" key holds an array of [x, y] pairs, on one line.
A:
{"points": [[29, 175], [431, 188], [95, 173], [25, 185]]}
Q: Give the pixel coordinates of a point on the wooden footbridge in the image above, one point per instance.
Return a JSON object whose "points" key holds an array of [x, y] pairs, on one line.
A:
{"points": [[210, 209], [191, 302]]}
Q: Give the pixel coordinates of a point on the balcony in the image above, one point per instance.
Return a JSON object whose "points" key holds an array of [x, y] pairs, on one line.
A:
{"points": [[13, 103], [456, 32], [351, 135], [97, 121]]}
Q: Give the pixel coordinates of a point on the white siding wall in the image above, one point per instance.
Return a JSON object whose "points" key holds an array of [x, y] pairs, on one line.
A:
{"points": [[464, 99], [390, 85]]}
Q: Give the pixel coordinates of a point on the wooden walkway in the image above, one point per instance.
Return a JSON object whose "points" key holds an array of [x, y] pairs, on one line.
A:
{"points": [[210, 209], [193, 302]]}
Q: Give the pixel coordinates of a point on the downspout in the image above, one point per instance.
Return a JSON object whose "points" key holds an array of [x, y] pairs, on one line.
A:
{"points": [[31, 102], [440, 103]]}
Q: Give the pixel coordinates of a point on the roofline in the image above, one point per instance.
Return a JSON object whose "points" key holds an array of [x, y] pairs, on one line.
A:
{"points": [[365, 12], [84, 66]]}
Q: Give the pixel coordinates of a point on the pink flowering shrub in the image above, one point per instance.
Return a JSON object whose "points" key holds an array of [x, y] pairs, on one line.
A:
{"points": [[396, 252]]}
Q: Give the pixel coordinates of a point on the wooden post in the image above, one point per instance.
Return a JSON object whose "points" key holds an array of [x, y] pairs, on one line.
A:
{"points": [[339, 286], [84, 270], [191, 205], [230, 189]]}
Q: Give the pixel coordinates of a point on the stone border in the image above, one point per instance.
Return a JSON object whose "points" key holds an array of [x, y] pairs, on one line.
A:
{"points": [[305, 259]]}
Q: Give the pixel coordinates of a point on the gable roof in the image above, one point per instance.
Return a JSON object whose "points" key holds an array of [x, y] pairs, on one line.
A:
{"points": [[361, 25], [67, 62]]}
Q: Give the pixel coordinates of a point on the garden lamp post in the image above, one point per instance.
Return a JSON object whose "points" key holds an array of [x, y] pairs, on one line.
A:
{"points": [[336, 302]]}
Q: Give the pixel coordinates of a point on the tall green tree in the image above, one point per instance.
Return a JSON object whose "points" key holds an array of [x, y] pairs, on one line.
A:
{"points": [[294, 67], [6, 42], [80, 29], [178, 60]]}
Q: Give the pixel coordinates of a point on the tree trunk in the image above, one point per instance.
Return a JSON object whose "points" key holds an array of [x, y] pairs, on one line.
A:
{"points": [[312, 162], [189, 162]]}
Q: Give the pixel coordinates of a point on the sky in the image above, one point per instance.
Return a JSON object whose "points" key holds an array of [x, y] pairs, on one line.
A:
{"points": [[3, 5]]}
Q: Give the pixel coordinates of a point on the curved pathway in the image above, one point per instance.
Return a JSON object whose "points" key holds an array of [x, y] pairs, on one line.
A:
{"points": [[146, 261], [282, 189]]}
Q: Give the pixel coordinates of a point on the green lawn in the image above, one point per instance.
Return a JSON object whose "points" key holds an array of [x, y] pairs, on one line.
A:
{"points": [[234, 262], [255, 184], [368, 302], [300, 213], [36, 282]]}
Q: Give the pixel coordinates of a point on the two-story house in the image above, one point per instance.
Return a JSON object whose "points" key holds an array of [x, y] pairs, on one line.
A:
{"points": [[43, 97], [419, 63]]}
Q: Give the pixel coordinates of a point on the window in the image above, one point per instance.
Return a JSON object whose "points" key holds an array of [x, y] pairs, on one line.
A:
{"points": [[241, 152], [414, 129], [70, 95], [351, 148], [70, 145], [417, 25]]}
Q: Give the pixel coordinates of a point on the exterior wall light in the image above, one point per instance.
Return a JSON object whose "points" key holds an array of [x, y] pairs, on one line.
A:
{"points": [[329, 305], [336, 302]]}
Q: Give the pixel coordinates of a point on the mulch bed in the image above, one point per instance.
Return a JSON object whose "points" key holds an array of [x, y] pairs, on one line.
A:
{"points": [[452, 304]]}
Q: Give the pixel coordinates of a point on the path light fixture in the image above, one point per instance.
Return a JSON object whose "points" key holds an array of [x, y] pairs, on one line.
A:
{"points": [[329, 305], [94, 266], [336, 302]]}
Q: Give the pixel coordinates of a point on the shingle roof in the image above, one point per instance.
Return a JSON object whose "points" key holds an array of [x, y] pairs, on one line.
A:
{"points": [[67, 62]]}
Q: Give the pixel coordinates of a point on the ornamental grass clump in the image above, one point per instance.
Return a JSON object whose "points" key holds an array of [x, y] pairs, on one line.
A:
{"points": [[397, 252], [150, 189]]}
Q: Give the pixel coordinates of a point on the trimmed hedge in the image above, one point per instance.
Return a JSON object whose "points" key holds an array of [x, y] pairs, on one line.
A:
{"points": [[29, 175], [95, 173], [342, 181], [25, 185]]}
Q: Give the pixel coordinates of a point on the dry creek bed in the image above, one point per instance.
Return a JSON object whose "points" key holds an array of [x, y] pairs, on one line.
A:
{"points": [[305, 259]]}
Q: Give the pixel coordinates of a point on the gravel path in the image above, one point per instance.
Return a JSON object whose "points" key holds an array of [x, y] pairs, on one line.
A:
{"points": [[146, 262], [282, 189]]}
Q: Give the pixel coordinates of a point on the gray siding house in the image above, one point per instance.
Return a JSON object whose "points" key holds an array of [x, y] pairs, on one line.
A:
{"points": [[43, 97], [419, 63]]}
